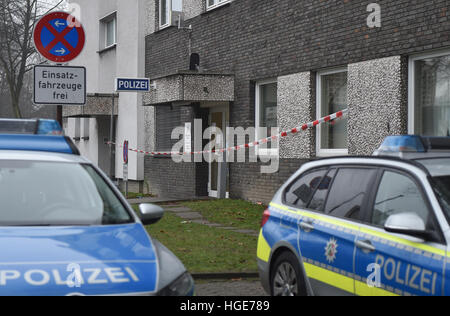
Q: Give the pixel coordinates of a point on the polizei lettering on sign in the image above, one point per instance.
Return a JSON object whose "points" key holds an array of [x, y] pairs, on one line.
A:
{"points": [[59, 85], [132, 85]]}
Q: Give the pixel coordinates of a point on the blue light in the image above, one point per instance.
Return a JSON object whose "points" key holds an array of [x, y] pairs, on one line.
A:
{"points": [[49, 127], [56, 144], [408, 143]]}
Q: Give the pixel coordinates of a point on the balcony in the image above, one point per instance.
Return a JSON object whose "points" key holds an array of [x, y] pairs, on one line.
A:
{"points": [[187, 87], [97, 105]]}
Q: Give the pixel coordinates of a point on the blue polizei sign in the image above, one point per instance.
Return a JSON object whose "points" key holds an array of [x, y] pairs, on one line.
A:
{"points": [[132, 85]]}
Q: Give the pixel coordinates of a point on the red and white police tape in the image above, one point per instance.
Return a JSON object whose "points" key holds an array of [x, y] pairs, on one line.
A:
{"points": [[296, 130]]}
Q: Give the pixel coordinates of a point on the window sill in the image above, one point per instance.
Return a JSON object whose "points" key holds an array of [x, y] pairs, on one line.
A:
{"points": [[217, 6], [268, 153], [325, 153], [163, 27], [106, 49]]}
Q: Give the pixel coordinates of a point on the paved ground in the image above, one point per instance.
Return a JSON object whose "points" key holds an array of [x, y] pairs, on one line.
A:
{"points": [[164, 200], [191, 216], [229, 288], [173, 206]]}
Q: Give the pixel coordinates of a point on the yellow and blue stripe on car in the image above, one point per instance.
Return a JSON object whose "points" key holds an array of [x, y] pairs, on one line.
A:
{"points": [[330, 256]]}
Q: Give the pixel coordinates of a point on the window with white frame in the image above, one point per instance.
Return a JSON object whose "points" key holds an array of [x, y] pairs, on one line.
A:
{"points": [[108, 28], [111, 32], [266, 110], [166, 8], [332, 138], [429, 94], [211, 4]]}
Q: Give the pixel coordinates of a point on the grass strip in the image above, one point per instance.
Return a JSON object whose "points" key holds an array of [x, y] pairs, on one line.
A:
{"points": [[204, 249], [233, 213]]}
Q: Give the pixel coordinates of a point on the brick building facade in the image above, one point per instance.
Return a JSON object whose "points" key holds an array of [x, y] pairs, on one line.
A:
{"points": [[320, 56]]}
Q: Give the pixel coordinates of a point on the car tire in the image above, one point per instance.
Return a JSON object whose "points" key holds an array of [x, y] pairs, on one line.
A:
{"points": [[286, 277]]}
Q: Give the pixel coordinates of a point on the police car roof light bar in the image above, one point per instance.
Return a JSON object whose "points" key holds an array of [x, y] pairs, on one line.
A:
{"points": [[413, 146], [437, 143], [408, 143], [13, 126], [49, 127], [30, 127], [44, 143]]}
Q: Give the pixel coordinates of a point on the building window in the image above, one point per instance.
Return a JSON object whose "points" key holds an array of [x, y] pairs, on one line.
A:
{"points": [[108, 31], [166, 8], [332, 138], [111, 32], [164, 13], [266, 110], [429, 97], [211, 4]]}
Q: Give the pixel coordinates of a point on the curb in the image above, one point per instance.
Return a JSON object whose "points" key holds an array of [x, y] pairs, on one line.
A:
{"points": [[225, 276]]}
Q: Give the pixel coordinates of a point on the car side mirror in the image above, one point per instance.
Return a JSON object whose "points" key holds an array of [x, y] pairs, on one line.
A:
{"points": [[407, 224], [150, 213]]}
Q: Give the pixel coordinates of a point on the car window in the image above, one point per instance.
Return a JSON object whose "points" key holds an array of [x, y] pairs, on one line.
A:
{"points": [[301, 190], [398, 194], [318, 200], [35, 193], [348, 191], [441, 186]]}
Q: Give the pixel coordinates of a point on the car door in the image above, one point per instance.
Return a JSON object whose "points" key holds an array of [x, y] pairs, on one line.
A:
{"points": [[297, 195], [329, 227], [392, 264]]}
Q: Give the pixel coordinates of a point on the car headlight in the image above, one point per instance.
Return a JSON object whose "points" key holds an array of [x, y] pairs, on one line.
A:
{"points": [[183, 286]]}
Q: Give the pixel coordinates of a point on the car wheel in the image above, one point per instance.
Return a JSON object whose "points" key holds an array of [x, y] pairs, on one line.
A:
{"points": [[286, 276]]}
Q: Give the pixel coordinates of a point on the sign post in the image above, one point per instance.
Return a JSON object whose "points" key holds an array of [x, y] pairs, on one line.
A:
{"points": [[125, 166], [130, 85]]}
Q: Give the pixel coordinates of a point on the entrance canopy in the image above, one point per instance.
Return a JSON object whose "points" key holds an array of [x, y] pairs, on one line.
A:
{"points": [[97, 105], [186, 87]]}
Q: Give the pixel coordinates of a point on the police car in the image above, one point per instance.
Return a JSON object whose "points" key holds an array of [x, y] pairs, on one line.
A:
{"points": [[66, 230], [362, 225]]}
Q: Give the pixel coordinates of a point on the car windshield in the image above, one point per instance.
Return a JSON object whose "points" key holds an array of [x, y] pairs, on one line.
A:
{"points": [[48, 193], [439, 169]]}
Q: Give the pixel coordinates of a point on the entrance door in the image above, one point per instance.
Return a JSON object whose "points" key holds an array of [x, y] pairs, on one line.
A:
{"points": [[218, 117]]}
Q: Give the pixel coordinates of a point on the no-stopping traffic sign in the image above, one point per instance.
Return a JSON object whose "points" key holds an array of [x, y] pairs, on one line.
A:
{"points": [[58, 37], [125, 152]]}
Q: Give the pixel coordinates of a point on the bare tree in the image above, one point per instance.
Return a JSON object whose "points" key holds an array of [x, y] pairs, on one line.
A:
{"points": [[17, 20]]}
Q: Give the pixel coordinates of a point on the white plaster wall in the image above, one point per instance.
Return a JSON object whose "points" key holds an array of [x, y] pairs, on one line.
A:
{"points": [[89, 148], [89, 57], [126, 60], [130, 52]]}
